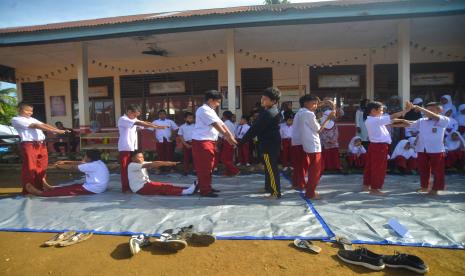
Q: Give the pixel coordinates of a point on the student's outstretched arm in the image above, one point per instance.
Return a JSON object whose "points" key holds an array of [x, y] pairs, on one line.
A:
{"points": [[149, 125], [331, 116], [48, 128], [223, 129], [408, 107], [68, 165], [158, 164], [426, 112]]}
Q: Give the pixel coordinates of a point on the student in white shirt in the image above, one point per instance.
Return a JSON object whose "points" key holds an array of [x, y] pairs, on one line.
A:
{"points": [[453, 125], [164, 137], [430, 147], [356, 153], [97, 177], [285, 130], [227, 150], [300, 159], [185, 135], [128, 142], [447, 104], [140, 182], [207, 127], [404, 157], [243, 149], [461, 119], [310, 139], [33, 147], [455, 150], [378, 150]]}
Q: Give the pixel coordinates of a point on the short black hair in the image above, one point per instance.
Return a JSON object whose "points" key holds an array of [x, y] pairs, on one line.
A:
{"points": [[22, 105], [288, 115], [433, 104], [187, 114], [273, 93], [373, 105], [245, 117], [213, 94], [133, 108], [228, 114], [58, 123], [161, 111], [308, 98], [136, 152], [93, 155]]}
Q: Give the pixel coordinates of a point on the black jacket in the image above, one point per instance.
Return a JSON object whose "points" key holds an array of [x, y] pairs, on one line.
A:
{"points": [[266, 129]]}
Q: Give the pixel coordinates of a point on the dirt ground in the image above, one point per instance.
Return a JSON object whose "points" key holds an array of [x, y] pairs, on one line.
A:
{"points": [[22, 254]]}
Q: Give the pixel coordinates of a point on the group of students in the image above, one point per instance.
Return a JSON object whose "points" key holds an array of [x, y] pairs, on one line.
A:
{"points": [[309, 136]]}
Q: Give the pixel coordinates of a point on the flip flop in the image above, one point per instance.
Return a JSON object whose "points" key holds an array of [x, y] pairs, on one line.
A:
{"points": [[307, 246], [76, 238], [59, 238], [169, 242], [345, 242]]}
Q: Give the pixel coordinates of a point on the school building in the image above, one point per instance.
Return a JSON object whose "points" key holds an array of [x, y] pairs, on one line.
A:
{"points": [[84, 73]]}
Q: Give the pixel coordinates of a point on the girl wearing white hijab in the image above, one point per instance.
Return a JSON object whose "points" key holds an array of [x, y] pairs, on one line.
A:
{"points": [[455, 150], [447, 104], [404, 157], [329, 140], [356, 153], [452, 125], [461, 119]]}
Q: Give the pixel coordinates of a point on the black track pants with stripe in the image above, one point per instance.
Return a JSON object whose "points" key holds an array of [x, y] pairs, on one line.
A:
{"points": [[270, 158]]}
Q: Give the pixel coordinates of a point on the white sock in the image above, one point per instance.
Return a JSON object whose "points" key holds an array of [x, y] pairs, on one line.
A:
{"points": [[189, 190]]}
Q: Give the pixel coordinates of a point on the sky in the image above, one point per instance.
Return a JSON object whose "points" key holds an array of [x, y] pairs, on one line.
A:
{"points": [[35, 12]]}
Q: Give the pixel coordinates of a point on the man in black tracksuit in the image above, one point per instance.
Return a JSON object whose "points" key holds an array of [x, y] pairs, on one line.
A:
{"points": [[266, 129]]}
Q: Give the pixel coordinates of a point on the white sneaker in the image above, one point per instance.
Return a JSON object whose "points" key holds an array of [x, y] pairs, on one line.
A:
{"points": [[247, 165], [138, 241]]}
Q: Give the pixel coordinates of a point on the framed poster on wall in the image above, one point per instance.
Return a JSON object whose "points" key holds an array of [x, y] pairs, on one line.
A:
{"points": [[98, 91], [57, 106], [338, 81], [224, 92]]}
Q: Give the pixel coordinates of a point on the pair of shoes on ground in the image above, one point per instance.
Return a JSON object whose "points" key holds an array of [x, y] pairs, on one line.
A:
{"points": [[172, 239], [67, 238], [366, 258]]}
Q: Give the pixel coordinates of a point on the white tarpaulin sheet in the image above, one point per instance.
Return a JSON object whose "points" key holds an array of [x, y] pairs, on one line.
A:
{"points": [[241, 211]]}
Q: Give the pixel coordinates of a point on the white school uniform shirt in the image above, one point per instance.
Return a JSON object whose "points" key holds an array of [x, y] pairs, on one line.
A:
{"points": [[166, 132], [21, 124], [127, 134], [205, 116], [295, 133], [137, 176], [452, 125], [241, 130], [231, 126], [376, 128], [186, 131], [285, 131], [309, 128], [427, 140], [97, 176]]}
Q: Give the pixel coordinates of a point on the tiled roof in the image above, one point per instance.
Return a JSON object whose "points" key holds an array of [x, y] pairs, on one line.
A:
{"points": [[184, 14]]}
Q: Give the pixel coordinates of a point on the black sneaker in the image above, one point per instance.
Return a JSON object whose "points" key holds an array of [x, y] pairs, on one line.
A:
{"points": [[215, 190], [362, 257], [406, 261]]}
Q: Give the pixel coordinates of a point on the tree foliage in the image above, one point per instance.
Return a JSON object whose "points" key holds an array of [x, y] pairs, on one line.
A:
{"points": [[8, 104]]}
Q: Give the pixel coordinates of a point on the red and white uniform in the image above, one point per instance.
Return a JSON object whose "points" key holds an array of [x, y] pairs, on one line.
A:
{"points": [[33, 150], [378, 150], [203, 146], [285, 131], [431, 151], [127, 142], [186, 131], [356, 155], [404, 158], [165, 145], [140, 183], [243, 149], [460, 118], [329, 139], [97, 178], [455, 151], [227, 153], [300, 159]]}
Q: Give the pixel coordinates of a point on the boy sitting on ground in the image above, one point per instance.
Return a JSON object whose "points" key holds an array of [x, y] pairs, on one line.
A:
{"points": [[97, 177], [140, 183]]}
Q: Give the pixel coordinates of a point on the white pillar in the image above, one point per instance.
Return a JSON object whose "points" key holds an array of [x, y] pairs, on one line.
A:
{"points": [[370, 77], [231, 66], [19, 91], [117, 97], [83, 87], [403, 38]]}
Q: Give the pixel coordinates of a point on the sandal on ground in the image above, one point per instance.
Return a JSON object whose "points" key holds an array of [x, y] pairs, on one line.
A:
{"points": [[170, 242], [76, 238], [59, 238], [307, 246], [189, 234], [344, 242]]}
